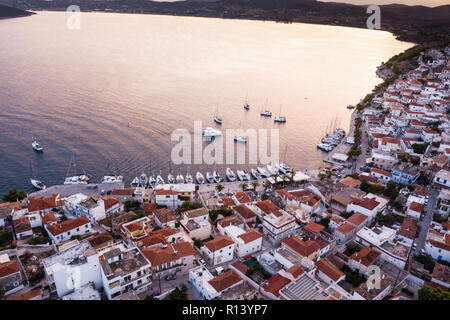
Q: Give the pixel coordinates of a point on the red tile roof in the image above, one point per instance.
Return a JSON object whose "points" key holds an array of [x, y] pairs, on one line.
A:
{"points": [[123, 192], [285, 195], [49, 217], [110, 202], [275, 284], [244, 211], [225, 280], [158, 256], [408, 228], [329, 270], [100, 239], [56, 229], [27, 295], [299, 194], [44, 203], [296, 271], [366, 256], [417, 207], [313, 227], [351, 182], [9, 268], [242, 197], [240, 266], [162, 192], [345, 228], [303, 248], [218, 243], [357, 219], [230, 220], [250, 235], [268, 207], [149, 208], [164, 215], [228, 201], [380, 171]]}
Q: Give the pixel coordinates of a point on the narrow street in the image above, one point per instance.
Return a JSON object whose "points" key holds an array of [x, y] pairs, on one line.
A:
{"points": [[429, 209]]}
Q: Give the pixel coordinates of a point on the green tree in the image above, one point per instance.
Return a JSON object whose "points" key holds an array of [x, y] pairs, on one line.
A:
{"points": [[13, 195], [180, 293], [243, 186], [429, 293], [254, 185], [219, 188]]}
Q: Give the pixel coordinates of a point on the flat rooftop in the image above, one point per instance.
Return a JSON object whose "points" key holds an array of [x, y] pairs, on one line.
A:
{"points": [[131, 261], [305, 288], [74, 255], [86, 292]]}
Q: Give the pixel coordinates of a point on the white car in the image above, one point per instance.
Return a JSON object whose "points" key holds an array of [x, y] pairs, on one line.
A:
{"points": [[202, 261]]}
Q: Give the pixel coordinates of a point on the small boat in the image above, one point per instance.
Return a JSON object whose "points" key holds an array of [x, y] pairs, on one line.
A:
{"points": [[159, 180], [255, 174], [271, 170], [246, 105], [285, 167], [211, 132], [240, 175], [180, 178], [135, 182], [209, 177], [324, 147], [230, 175], [38, 184], [170, 178], [143, 180], [351, 106], [151, 180], [266, 113], [200, 178], [36, 146], [280, 119], [188, 178], [246, 175], [217, 119], [82, 179], [217, 177], [240, 139], [263, 172], [112, 179]]}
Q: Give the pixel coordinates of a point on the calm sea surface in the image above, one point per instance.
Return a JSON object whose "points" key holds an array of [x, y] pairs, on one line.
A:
{"points": [[112, 92]]}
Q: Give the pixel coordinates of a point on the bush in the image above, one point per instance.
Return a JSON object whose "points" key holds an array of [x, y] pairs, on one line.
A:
{"points": [[131, 205], [13, 195], [5, 238], [225, 211], [420, 147], [37, 276], [347, 215], [352, 247], [187, 205], [180, 293], [429, 293], [427, 261], [353, 277], [38, 240]]}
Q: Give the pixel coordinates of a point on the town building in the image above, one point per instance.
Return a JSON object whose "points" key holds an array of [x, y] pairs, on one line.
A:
{"points": [[219, 250], [10, 276], [65, 230]]}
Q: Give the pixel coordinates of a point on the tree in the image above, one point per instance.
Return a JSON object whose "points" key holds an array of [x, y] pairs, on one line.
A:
{"points": [[266, 185], [13, 195], [292, 175], [243, 186], [429, 293], [219, 188], [264, 197], [180, 293], [254, 185], [187, 205]]}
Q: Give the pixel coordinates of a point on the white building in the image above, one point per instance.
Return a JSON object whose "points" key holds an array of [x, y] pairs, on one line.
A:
{"points": [[173, 195], [211, 287], [65, 230], [437, 244], [370, 205], [82, 205], [246, 242], [442, 179], [73, 268], [219, 250]]}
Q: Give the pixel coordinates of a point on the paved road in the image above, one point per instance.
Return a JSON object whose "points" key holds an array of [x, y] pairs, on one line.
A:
{"points": [[424, 225]]}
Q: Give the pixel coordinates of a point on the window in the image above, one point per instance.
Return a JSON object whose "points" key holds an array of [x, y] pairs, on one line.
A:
{"points": [[68, 233], [78, 229], [86, 226]]}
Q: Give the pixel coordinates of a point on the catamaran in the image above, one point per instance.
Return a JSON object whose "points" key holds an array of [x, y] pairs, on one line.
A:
{"points": [[209, 177], [263, 172], [36, 146], [180, 178], [255, 174], [189, 178], [271, 170], [230, 175], [200, 178], [217, 177]]}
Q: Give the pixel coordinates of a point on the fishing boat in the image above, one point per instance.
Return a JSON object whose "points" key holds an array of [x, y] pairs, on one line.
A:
{"points": [[209, 177], [180, 178], [135, 182], [240, 175], [159, 180], [217, 119], [230, 175], [170, 178], [280, 119], [255, 174], [271, 170], [200, 178], [112, 179], [38, 184], [246, 175], [324, 147], [188, 178], [263, 172], [217, 177], [143, 180], [36, 146]]}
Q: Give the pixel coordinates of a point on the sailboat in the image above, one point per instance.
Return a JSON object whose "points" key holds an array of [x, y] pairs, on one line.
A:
{"points": [[144, 180], [135, 182], [266, 113], [209, 177], [36, 146], [217, 119], [217, 177], [239, 138], [151, 178], [280, 118], [159, 180], [200, 178], [230, 175], [36, 183], [246, 105], [77, 179]]}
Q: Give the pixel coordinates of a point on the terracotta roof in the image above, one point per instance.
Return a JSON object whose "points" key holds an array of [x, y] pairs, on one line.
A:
{"points": [[9, 268], [336, 261], [100, 239], [240, 266], [311, 200], [250, 235], [351, 182], [441, 273], [285, 195], [16, 205], [242, 197], [337, 219], [56, 229], [313, 227], [196, 213], [162, 192], [296, 271], [150, 207], [123, 192], [49, 217], [218, 243], [27, 295], [304, 248], [357, 219], [328, 269], [421, 191], [408, 228], [345, 228], [164, 215], [230, 220], [368, 178], [228, 201], [133, 226], [244, 211], [299, 194], [275, 284], [110, 202], [366, 256], [22, 225], [225, 280], [417, 207], [380, 171], [386, 140], [44, 203], [158, 256], [368, 203], [269, 208], [151, 240]]}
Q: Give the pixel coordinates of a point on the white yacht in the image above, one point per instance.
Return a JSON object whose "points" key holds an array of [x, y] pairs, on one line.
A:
{"points": [[217, 177], [82, 179], [271, 170], [211, 132], [180, 178], [240, 139], [245, 175], [143, 180], [38, 184], [135, 182], [112, 179], [283, 166], [325, 147], [170, 178], [280, 118], [151, 180], [217, 119], [230, 175], [240, 175], [263, 172], [36, 146], [266, 113], [188, 178], [200, 178], [159, 180], [209, 177], [255, 174]]}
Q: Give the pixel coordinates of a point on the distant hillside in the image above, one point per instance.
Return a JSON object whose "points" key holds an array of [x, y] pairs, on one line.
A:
{"points": [[10, 12]]}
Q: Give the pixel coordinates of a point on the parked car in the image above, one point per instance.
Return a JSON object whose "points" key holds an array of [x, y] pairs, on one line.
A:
{"points": [[171, 277], [202, 261], [422, 251], [414, 246]]}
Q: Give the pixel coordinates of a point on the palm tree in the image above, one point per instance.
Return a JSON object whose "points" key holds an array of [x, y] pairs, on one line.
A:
{"points": [[219, 187], [292, 175], [243, 186], [275, 177], [266, 185], [254, 185]]}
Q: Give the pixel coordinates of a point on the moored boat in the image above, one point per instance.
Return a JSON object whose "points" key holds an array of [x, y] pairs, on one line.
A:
{"points": [[170, 178], [135, 182], [263, 172], [200, 178], [230, 175], [188, 178], [159, 180], [143, 180], [209, 177], [217, 177], [36, 146], [180, 178], [271, 170], [255, 174], [38, 184]]}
